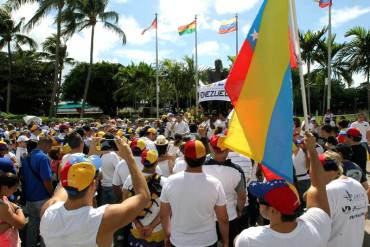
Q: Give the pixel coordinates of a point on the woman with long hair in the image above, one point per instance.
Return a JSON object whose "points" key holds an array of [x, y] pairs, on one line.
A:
{"points": [[11, 215]]}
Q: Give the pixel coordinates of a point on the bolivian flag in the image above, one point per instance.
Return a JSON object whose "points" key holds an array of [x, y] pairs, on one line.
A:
{"points": [[260, 88], [186, 29]]}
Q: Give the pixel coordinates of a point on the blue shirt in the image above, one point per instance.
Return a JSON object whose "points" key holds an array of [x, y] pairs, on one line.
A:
{"points": [[6, 165], [35, 189]]}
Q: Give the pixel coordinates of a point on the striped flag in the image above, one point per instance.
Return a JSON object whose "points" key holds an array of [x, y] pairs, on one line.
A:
{"points": [[325, 3], [187, 29], [260, 89], [228, 26], [152, 26]]}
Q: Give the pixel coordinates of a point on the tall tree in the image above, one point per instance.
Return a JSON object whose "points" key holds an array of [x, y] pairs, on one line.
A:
{"points": [[10, 33], [45, 8], [357, 52], [86, 14], [309, 42], [49, 48]]}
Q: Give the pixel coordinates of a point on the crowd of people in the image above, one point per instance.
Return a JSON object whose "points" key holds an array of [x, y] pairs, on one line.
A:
{"points": [[172, 182]]}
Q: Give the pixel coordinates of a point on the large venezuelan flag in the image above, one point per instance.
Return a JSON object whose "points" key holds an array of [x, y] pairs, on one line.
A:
{"points": [[260, 88]]}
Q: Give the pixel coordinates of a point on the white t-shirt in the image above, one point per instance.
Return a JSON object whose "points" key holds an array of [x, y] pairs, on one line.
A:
{"points": [[60, 227], [173, 150], [109, 162], [313, 230], [229, 178], [20, 153], [299, 162], [181, 128], [348, 206], [149, 144], [154, 210], [192, 197], [363, 127], [180, 165], [244, 163], [164, 169]]}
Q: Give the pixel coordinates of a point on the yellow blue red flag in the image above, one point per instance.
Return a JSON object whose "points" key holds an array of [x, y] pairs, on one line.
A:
{"points": [[228, 26], [260, 89]]}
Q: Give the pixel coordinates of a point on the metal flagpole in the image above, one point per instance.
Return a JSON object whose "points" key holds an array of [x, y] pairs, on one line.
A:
{"points": [[196, 64], [294, 24], [156, 64], [237, 35], [329, 59]]}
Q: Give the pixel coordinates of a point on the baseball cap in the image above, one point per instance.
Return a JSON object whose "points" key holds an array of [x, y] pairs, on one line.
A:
{"points": [[149, 157], [194, 150], [217, 142], [277, 193], [353, 132], [23, 138], [341, 136], [79, 172], [137, 144], [151, 130], [328, 163]]}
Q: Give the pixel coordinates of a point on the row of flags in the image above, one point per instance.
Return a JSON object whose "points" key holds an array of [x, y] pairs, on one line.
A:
{"points": [[227, 26]]}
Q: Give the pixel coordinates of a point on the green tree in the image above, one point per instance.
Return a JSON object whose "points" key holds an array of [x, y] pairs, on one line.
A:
{"points": [[357, 52], [309, 42], [49, 48], [103, 85], [10, 33], [86, 14]]}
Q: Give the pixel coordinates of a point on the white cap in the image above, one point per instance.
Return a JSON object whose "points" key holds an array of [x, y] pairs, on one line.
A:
{"points": [[22, 138]]}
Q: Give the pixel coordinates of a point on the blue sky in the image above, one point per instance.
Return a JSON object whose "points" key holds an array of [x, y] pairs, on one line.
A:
{"points": [[137, 14]]}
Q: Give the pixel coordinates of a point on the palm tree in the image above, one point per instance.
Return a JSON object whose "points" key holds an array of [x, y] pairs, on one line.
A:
{"points": [[45, 7], [10, 32], [87, 13], [357, 52], [49, 48], [308, 42]]}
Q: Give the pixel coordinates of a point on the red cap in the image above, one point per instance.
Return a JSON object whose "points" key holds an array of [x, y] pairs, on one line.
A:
{"points": [[354, 132], [194, 149], [217, 142]]}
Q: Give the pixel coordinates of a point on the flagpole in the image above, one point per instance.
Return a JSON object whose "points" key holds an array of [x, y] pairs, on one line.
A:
{"points": [[196, 64], [237, 35], [329, 59], [157, 65], [294, 23]]}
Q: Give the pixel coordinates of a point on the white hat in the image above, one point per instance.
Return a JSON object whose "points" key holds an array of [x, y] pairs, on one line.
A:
{"points": [[22, 138], [161, 140]]}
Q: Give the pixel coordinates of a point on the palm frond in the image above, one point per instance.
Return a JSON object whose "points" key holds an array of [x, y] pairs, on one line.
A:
{"points": [[116, 30]]}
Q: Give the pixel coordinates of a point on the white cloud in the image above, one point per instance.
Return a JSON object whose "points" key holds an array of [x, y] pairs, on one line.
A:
{"points": [[209, 48], [133, 31], [234, 6], [245, 28], [341, 16], [120, 1], [140, 55]]}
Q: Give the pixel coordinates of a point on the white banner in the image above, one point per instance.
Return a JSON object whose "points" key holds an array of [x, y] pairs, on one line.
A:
{"points": [[213, 92]]}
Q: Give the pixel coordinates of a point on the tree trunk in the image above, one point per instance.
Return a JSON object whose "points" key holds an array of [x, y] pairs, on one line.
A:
{"points": [[368, 93], [8, 94], [88, 72], [58, 91], [56, 65], [308, 87]]}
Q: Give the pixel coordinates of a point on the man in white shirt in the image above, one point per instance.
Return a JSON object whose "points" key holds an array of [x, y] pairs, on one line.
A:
{"points": [[21, 151], [180, 126], [279, 203], [189, 202], [363, 127], [69, 219], [348, 203], [150, 137], [232, 179]]}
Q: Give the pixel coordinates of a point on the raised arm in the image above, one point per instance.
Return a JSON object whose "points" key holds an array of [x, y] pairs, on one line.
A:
{"points": [[316, 195], [119, 215]]}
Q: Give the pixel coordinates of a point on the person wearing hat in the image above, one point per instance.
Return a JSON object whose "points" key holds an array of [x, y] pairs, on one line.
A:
{"points": [[166, 162], [363, 126], [189, 202], [232, 179], [180, 126], [348, 203], [147, 229], [21, 150], [149, 136], [35, 132], [279, 203], [359, 153], [69, 219]]}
